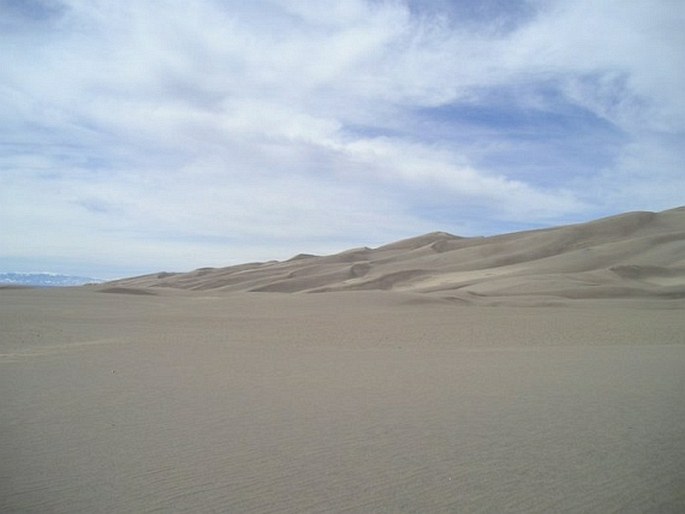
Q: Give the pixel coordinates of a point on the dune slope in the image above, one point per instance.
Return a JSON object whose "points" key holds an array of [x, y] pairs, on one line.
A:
{"points": [[638, 254]]}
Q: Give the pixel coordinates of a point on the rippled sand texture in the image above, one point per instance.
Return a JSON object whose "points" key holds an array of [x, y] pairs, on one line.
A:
{"points": [[366, 401]]}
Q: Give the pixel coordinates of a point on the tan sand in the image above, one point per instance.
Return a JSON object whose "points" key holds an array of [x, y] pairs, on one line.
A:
{"points": [[362, 401], [637, 255], [542, 371]]}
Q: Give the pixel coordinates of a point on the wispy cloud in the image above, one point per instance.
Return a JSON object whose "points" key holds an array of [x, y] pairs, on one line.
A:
{"points": [[142, 135]]}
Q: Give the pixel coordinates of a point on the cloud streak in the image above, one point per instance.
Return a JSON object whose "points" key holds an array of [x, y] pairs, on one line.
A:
{"points": [[146, 135]]}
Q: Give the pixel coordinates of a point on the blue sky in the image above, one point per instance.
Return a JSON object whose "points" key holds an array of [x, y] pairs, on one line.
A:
{"points": [[170, 135]]}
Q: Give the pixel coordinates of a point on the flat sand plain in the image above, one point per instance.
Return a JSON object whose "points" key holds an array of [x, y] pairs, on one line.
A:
{"points": [[362, 401]]}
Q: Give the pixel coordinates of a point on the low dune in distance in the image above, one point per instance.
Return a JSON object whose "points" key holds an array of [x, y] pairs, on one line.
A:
{"points": [[534, 372], [634, 255]]}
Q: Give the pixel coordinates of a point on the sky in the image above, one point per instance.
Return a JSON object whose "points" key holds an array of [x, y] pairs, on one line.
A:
{"points": [[170, 135]]}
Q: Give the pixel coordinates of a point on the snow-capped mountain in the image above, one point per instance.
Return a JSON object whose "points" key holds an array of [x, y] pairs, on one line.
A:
{"points": [[44, 279]]}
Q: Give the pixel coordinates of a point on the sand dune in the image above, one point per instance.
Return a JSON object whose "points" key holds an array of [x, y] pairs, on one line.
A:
{"points": [[527, 373], [590, 260], [126, 290]]}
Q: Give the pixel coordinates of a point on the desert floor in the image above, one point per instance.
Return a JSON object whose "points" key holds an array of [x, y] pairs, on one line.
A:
{"points": [[338, 402]]}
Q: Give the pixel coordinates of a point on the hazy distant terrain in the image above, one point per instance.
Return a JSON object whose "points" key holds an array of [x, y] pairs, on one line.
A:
{"points": [[639, 254], [44, 280], [534, 372]]}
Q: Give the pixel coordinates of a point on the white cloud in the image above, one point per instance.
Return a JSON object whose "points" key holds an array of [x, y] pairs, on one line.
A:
{"points": [[273, 121]]}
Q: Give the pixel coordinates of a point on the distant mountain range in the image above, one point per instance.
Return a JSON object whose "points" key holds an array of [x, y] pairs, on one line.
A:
{"points": [[44, 279]]}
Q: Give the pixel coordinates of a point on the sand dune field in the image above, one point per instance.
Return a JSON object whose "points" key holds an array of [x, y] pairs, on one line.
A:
{"points": [[534, 372], [638, 254]]}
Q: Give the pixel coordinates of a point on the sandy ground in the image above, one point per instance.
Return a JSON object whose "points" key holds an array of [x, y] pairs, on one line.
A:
{"points": [[364, 401]]}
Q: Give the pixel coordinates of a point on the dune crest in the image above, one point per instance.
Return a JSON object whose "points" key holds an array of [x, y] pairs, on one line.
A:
{"points": [[636, 254]]}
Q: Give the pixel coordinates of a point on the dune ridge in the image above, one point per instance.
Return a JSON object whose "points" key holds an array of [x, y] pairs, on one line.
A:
{"points": [[636, 254]]}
